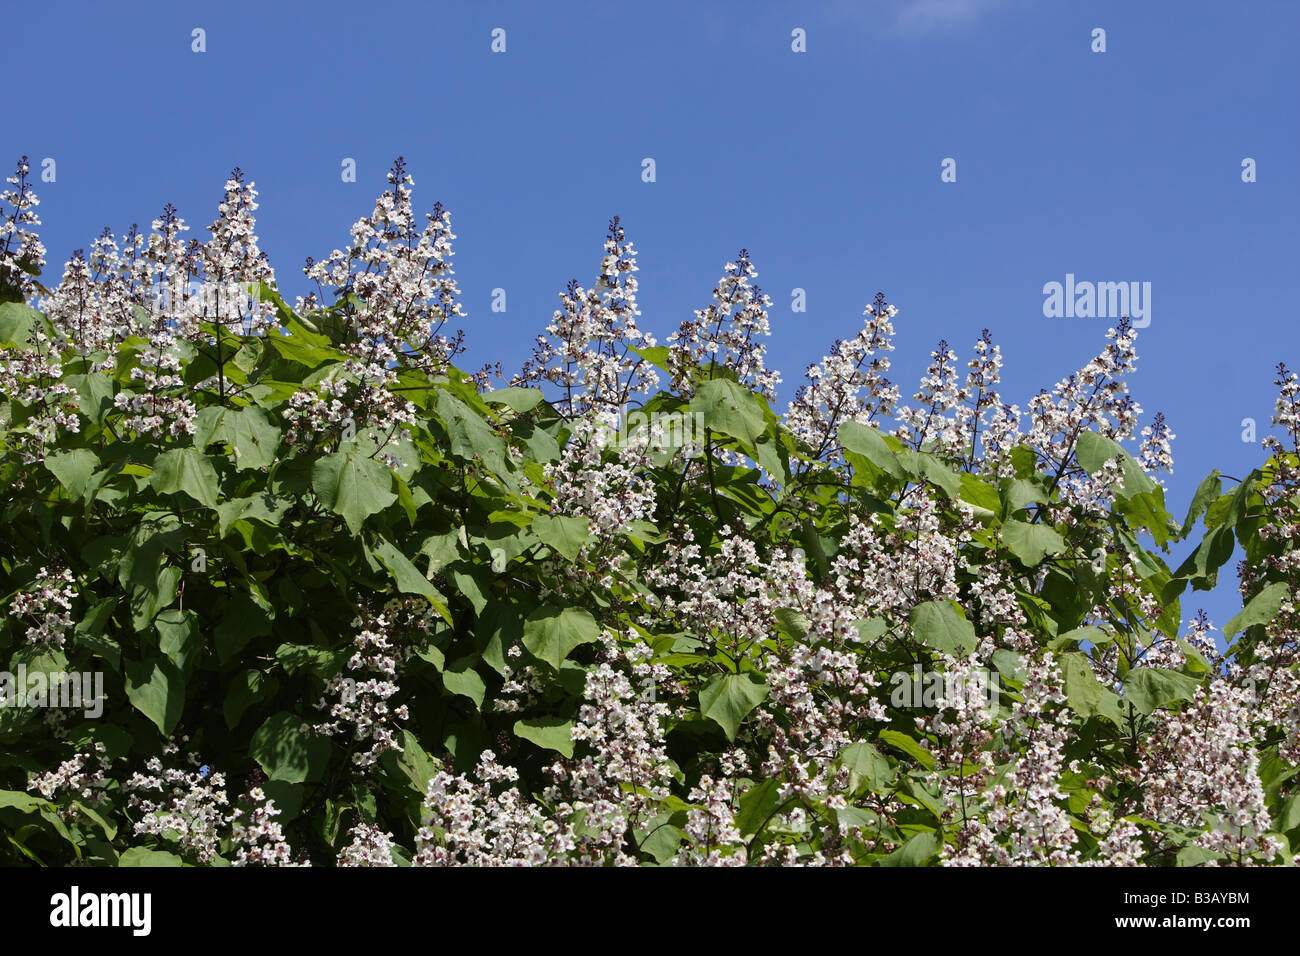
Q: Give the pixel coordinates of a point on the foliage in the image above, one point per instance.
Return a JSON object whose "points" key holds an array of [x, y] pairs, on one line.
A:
{"points": [[583, 619]]}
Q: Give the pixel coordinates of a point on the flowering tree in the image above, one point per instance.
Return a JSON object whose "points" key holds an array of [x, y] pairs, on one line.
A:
{"points": [[354, 606]]}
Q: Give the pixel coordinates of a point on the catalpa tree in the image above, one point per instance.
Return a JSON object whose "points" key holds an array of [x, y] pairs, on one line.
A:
{"points": [[348, 604]]}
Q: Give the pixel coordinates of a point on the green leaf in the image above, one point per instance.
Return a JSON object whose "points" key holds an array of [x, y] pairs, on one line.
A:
{"points": [[264, 507], [287, 750], [563, 534], [144, 856], [1151, 687], [95, 394], [407, 576], [1111, 707], [1261, 609], [729, 697], [210, 426], [288, 318], [773, 458], [1083, 691], [539, 443], [922, 466], [297, 348], [871, 628], [864, 763], [519, 399], [243, 620], [919, 850], [187, 470], [471, 436], [1031, 542], [869, 442], [245, 689], [461, 679], [179, 638], [942, 626], [980, 495], [551, 634], [352, 486], [661, 840], [1093, 451], [1147, 510], [321, 661], [1202, 566], [728, 408], [73, 469], [416, 763], [1288, 814], [1021, 493], [471, 581], [253, 437], [1196, 856], [1093, 635], [549, 733], [1207, 492], [23, 802], [792, 623], [757, 804], [152, 596], [17, 319], [901, 741], [157, 689], [91, 631], [656, 355]]}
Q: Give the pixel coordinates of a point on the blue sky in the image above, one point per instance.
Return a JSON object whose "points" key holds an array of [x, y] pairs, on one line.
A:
{"points": [[1115, 166]]}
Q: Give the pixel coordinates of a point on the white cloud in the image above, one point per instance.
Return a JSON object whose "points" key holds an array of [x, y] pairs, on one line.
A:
{"points": [[923, 15]]}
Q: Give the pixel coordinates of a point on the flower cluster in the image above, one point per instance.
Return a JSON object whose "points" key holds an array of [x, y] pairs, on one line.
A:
{"points": [[189, 808], [727, 334], [75, 777], [21, 253], [1200, 765], [49, 601], [1020, 819], [849, 385], [393, 293], [361, 710], [469, 824], [370, 846], [590, 349], [257, 836], [610, 495]]}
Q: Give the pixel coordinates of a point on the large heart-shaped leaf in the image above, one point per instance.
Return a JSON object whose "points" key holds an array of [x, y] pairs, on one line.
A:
{"points": [[549, 733], [550, 633], [940, 625], [1031, 542], [287, 750], [156, 688], [727, 699], [730, 409], [186, 470], [352, 486]]}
